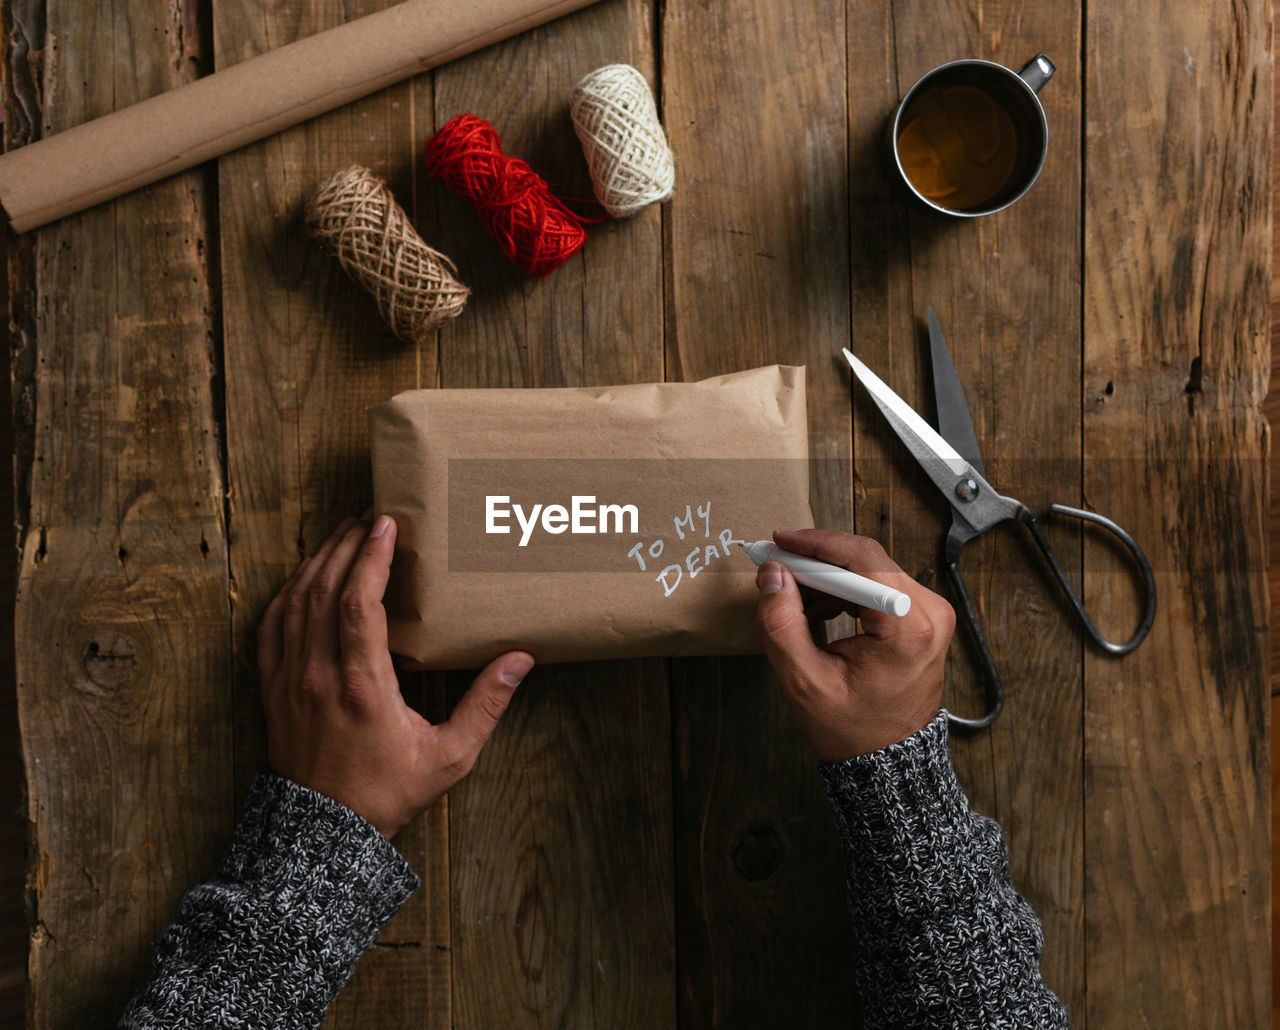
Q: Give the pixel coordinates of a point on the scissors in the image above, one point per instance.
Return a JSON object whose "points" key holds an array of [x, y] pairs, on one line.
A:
{"points": [[951, 458]]}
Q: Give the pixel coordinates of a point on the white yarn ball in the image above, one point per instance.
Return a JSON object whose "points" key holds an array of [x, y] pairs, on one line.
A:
{"points": [[617, 124]]}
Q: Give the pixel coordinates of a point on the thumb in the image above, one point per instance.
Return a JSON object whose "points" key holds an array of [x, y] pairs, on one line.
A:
{"points": [[475, 717], [784, 627]]}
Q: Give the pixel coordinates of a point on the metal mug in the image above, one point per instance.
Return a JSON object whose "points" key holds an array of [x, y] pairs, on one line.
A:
{"points": [[1013, 93]]}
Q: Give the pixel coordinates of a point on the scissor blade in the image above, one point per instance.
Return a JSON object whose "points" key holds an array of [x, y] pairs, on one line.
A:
{"points": [[976, 507], [921, 438], [954, 422]]}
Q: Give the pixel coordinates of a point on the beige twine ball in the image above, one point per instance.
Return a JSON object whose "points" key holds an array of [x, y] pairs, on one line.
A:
{"points": [[355, 217], [617, 123]]}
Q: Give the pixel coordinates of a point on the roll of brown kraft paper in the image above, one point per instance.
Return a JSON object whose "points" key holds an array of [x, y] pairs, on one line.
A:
{"points": [[173, 131]]}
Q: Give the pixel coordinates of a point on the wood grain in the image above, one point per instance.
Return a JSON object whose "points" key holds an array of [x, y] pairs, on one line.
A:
{"points": [[306, 353], [560, 839], [1275, 833], [758, 272], [1006, 291], [1177, 239], [13, 827], [123, 578], [1271, 410]]}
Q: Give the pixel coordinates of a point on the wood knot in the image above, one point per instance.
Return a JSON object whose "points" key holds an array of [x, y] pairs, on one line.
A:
{"points": [[758, 853], [532, 925], [109, 667]]}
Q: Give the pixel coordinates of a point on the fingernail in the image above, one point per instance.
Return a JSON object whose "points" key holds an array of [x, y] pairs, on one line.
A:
{"points": [[517, 669], [380, 527], [367, 512], [770, 578]]}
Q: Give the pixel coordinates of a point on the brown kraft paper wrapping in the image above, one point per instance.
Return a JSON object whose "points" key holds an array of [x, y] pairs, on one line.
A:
{"points": [[667, 476]]}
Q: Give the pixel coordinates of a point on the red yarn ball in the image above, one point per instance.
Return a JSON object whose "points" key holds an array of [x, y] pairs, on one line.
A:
{"points": [[533, 227]]}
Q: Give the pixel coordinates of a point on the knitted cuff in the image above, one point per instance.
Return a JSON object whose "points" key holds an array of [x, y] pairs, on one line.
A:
{"points": [[305, 887], [921, 764], [327, 871], [903, 819], [944, 940]]}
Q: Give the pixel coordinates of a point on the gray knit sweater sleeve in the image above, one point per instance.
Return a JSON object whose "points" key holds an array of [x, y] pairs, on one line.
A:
{"points": [[305, 887], [943, 938]]}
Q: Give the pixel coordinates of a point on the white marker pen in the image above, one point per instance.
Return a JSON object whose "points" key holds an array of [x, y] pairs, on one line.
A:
{"points": [[831, 579]]}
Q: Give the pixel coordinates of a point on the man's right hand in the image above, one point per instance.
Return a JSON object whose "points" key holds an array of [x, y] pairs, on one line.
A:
{"points": [[865, 692]]}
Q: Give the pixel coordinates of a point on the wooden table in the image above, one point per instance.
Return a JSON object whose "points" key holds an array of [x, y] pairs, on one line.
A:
{"points": [[646, 842]]}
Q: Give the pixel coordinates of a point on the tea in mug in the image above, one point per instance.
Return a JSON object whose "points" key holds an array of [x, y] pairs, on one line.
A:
{"points": [[957, 145]]}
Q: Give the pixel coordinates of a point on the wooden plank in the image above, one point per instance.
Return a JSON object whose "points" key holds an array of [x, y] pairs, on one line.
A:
{"points": [[123, 579], [1275, 861], [13, 930], [1271, 408], [893, 502], [561, 857], [560, 838], [1006, 290], [587, 323], [1177, 247], [758, 272], [306, 353]]}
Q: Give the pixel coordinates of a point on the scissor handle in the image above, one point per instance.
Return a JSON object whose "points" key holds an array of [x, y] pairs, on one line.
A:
{"points": [[995, 686], [1144, 566]]}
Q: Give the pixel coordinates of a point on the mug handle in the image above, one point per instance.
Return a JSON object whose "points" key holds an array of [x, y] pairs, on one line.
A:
{"points": [[1036, 72]]}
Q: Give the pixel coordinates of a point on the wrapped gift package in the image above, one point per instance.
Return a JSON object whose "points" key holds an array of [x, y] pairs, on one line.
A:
{"points": [[587, 523]]}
